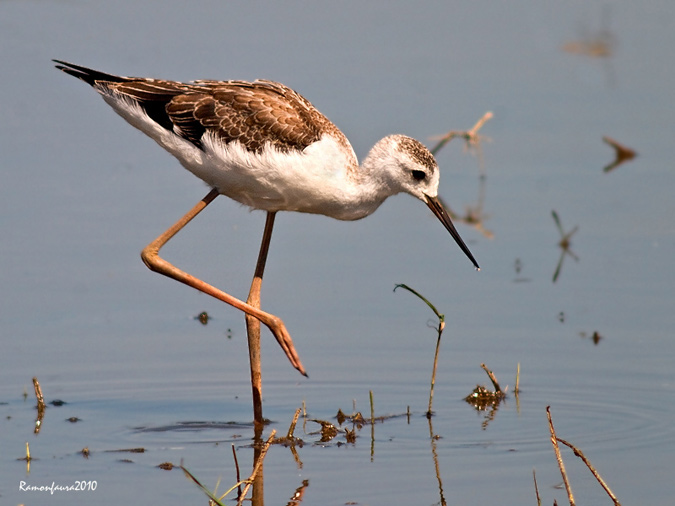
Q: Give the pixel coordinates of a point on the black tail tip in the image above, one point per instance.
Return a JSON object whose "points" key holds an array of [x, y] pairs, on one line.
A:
{"points": [[89, 76]]}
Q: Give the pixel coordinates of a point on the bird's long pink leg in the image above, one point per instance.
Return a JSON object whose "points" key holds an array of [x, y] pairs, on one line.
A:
{"points": [[253, 324], [151, 258]]}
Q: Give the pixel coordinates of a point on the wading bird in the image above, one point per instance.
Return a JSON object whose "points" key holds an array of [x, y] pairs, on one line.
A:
{"points": [[265, 146]]}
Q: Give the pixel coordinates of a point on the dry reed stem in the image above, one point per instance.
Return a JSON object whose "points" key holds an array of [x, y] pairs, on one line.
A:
{"points": [[40, 405], [38, 392], [493, 378], [27, 458], [561, 465], [517, 389], [536, 488], [291, 428], [580, 454]]}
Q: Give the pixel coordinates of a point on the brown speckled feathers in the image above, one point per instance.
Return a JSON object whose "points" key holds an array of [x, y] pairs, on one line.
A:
{"points": [[253, 113]]}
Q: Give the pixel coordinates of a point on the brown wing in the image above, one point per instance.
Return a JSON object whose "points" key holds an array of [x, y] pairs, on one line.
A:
{"points": [[252, 113]]}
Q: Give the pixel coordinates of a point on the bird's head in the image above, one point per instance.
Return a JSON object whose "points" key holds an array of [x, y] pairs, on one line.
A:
{"points": [[411, 168]]}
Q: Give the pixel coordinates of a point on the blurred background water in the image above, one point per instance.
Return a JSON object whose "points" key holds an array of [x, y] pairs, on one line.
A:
{"points": [[83, 192]]}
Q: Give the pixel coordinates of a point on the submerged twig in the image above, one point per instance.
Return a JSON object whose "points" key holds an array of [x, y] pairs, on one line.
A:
{"points": [[579, 454], [441, 326], [561, 465]]}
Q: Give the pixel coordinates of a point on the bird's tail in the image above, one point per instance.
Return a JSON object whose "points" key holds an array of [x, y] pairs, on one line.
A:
{"points": [[87, 75]]}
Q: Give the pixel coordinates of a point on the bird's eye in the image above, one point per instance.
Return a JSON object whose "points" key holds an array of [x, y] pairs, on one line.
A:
{"points": [[418, 175]]}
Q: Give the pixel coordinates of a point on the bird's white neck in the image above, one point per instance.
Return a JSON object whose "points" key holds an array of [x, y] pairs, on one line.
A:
{"points": [[378, 176]]}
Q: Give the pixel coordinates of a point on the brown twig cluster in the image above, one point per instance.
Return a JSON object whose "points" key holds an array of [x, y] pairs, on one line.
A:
{"points": [[561, 465], [248, 482]]}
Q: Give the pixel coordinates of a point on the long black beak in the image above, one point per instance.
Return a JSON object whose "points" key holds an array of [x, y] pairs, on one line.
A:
{"points": [[440, 212]]}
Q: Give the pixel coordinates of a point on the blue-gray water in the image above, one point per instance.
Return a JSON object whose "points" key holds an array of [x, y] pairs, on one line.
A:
{"points": [[82, 192]]}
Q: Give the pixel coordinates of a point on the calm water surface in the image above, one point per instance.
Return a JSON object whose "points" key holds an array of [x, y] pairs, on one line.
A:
{"points": [[83, 192]]}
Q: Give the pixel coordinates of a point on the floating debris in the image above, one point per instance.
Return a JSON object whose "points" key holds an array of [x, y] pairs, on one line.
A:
{"points": [[328, 430], [203, 317], [595, 337], [128, 450], [482, 397]]}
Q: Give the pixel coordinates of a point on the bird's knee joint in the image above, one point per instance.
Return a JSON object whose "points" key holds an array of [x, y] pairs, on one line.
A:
{"points": [[275, 323], [150, 257]]}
